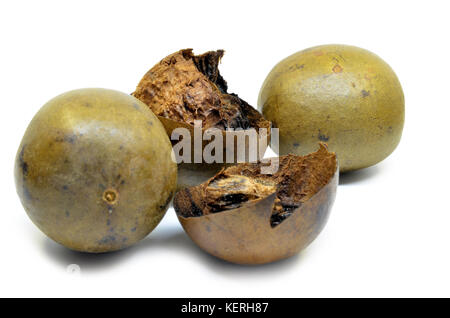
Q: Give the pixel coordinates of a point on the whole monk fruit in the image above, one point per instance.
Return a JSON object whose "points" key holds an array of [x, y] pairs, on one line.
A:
{"points": [[342, 95], [94, 170]]}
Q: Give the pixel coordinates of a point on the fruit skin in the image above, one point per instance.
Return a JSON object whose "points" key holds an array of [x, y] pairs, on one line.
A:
{"points": [[343, 95], [94, 170], [244, 235]]}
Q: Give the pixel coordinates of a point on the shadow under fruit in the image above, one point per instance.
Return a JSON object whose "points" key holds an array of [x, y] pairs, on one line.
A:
{"points": [[94, 170], [246, 217]]}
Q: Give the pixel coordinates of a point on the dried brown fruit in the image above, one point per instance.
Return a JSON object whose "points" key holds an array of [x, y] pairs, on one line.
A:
{"points": [[184, 87], [244, 216]]}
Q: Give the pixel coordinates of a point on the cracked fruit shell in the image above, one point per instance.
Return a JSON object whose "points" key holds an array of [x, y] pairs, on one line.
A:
{"points": [[184, 88], [248, 217], [342, 95], [94, 170]]}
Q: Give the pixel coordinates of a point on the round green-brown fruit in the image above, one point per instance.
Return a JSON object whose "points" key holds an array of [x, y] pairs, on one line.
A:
{"points": [[342, 95], [94, 170]]}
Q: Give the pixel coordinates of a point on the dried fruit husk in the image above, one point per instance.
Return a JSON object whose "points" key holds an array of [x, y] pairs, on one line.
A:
{"points": [[254, 218], [184, 87]]}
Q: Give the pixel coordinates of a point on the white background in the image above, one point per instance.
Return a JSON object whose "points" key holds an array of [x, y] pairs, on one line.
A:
{"points": [[389, 231]]}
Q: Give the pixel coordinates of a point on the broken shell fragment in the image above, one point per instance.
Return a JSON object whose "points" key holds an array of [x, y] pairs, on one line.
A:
{"points": [[184, 88], [244, 216]]}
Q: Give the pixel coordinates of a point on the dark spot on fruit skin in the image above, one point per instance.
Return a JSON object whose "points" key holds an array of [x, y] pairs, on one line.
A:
{"points": [[111, 229], [296, 67], [101, 186], [25, 169], [23, 165], [108, 222], [87, 104], [365, 93], [136, 106], [107, 239], [65, 187], [208, 229], [67, 213], [122, 182], [296, 144], [133, 229], [71, 139], [124, 239], [323, 137], [150, 123]]}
